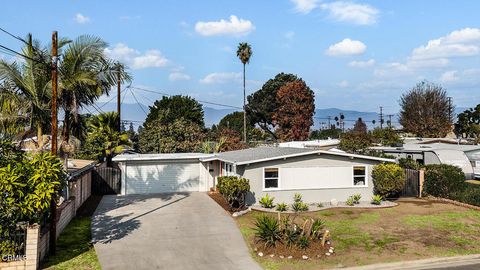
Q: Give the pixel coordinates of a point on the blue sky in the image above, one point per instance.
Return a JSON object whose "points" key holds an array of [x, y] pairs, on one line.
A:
{"points": [[354, 54]]}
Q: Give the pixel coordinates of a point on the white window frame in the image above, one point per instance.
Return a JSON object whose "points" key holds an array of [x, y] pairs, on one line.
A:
{"points": [[366, 176], [278, 179]]}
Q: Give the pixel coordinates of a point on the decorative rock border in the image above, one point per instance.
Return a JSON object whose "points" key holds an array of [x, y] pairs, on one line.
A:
{"points": [[457, 203], [326, 206], [241, 213]]}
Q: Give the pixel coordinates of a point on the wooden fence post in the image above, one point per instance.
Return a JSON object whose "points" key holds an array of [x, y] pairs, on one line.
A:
{"points": [[421, 179]]}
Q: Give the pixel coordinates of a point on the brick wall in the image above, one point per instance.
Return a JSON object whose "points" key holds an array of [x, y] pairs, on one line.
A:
{"points": [[65, 213], [31, 259]]}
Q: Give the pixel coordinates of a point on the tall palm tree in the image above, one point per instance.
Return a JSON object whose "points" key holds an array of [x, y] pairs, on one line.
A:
{"points": [[85, 73], [25, 96], [103, 129], [244, 52]]}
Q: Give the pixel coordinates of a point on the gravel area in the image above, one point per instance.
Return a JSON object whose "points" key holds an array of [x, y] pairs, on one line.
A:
{"points": [[327, 205]]}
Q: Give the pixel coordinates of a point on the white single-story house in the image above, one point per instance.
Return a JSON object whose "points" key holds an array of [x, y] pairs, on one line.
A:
{"points": [[319, 175]]}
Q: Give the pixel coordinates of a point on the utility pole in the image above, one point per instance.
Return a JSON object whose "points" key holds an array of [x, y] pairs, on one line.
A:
{"points": [[54, 93], [119, 82], [389, 120], [53, 202], [381, 117]]}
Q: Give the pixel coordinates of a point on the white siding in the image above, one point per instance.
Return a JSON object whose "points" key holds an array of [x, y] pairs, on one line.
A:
{"points": [[161, 177], [316, 177]]}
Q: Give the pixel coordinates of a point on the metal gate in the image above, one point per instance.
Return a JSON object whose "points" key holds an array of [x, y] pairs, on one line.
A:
{"points": [[412, 184], [106, 180]]}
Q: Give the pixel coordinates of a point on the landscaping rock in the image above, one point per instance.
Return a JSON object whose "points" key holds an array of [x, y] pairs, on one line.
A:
{"points": [[334, 202], [305, 257], [272, 255], [255, 249], [328, 254], [281, 256], [260, 254], [241, 213], [289, 257]]}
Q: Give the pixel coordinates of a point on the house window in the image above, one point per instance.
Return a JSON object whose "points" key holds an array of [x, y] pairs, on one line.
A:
{"points": [[359, 176], [270, 178]]}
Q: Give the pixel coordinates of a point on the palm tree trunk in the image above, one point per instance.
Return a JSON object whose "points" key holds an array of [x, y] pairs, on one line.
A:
{"points": [[244, 109], [39, 136]]}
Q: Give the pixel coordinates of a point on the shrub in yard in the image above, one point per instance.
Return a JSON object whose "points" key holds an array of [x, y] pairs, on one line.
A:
{"points": [[303, 242], [356, 198], [377, 199], [442, 180], [408, 163], [299, 207], [297, 197], [282, 207], [320, 205], [267, 230], [350, 201], [470, 196], [266, 201], [234, 190], [388, 179]]}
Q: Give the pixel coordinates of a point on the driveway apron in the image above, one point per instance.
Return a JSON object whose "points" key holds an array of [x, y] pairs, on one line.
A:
{"points": [[167, 231]]}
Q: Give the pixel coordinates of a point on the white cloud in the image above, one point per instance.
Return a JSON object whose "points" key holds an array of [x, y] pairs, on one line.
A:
{"points": [[234, 27], [304, 6], [362, 64], [464, 42], [346, 47], [289, 35], [81, 19], [343, 84], [221, 77], [449, 76], [178, 76], [136, 60], [360, 14]]}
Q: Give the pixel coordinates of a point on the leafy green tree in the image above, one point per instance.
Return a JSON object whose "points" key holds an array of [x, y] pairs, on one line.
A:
{"points": [[294, 116], [333, 133], [234, 121], [133, 136], [25, 95], [425, 110], [263, 103], [28, 184], [244, 52], [169, 109], [468, 123], [386, 136], [355, 142], [179, 136]]}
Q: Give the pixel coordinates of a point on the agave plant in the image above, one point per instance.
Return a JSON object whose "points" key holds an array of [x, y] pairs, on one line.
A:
{"points": [[267, 230]]}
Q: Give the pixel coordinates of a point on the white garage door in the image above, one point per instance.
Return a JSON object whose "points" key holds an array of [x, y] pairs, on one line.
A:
{"points": [[162, 177]]}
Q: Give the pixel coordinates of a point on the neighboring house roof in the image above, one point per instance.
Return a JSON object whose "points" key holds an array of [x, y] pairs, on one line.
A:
{"points": [[311, 144], [413, 147], [262, 154], [164, 156], [79, 166]]}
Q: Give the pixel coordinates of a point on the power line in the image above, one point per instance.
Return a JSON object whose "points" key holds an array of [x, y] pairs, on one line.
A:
{"points": [[14, 36], [110, 100], [138, 103], [201, 101]]}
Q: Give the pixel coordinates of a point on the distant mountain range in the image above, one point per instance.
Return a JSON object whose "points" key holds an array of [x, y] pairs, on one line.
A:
{"points": [[134, 113]]}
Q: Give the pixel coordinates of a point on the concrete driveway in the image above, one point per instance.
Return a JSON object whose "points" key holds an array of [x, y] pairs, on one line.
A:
{"points": [[167, 231]]}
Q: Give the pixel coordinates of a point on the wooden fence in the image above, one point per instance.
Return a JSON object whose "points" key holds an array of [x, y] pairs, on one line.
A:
{"points": [[412, 184]]}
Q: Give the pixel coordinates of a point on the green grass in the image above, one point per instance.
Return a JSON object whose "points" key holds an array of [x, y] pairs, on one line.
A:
{"points": [[444, 221], [74, 248]]}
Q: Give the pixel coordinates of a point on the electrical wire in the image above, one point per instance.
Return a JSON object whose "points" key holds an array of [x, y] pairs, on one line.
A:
{"points": [[138, 103], [200, 101]]}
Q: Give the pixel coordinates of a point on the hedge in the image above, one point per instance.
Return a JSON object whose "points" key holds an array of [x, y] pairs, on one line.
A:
{"points": [[388, 179]]}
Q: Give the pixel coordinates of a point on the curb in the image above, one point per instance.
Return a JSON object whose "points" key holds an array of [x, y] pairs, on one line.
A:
{"points": [[431, 263]]}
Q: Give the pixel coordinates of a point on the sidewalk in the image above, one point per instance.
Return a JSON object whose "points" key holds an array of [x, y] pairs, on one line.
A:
{"points": [[458, 262]]}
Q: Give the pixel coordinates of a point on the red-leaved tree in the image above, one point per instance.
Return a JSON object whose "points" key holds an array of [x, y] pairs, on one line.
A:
{"points": [[294, 116]]}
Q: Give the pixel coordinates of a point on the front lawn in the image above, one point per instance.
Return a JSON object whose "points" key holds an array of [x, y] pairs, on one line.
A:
{"points": [[415, 229], [74, 247]]}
